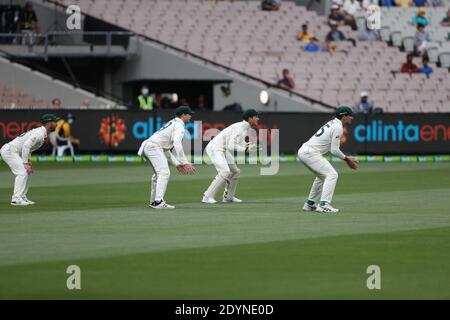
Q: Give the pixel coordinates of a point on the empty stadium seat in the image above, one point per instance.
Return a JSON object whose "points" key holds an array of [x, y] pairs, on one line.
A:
{"points": [[239, 35]]}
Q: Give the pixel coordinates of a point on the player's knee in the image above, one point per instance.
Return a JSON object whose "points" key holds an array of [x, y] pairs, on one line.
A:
{"points": [[20, 173], [235, 173], [333, 175], [164, 173], [225, 173]]}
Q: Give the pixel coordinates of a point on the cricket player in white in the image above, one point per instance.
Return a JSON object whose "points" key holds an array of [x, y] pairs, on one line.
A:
{"points": [[311, 153], [166, 144], [17, 155], [220, 151]]}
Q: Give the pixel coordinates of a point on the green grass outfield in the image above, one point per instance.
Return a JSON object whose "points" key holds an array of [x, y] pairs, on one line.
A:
{"points": [[394, 215]]}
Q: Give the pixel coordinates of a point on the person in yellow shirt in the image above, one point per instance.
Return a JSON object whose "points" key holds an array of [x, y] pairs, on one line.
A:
{"points": [[304, 35], [63, 130], [145, 99], [404, 3]]}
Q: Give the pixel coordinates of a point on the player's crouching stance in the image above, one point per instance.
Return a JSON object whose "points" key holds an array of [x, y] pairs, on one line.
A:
{"points": [[220, 151], [162, 145], [17, 155], [326, 140]]}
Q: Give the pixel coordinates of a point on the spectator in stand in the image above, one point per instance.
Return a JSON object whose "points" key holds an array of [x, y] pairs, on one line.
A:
{"points": [[422, 39], [336, 16], [28, 24], [426, 69], [169, 101], [436, 3], [158, 100], [404, 3], [86, 102], [351, 7], [304, 35], [420, 18], [409, 66], [28, 19], [369, 35], [313, 46], [184, 102], [446, 21], [363, 105], [201, 102], [335, 35], [56, 103], [145, 100], [341, 18], [387, 3], [271, 5], [64, 130], [287, 82], [421, 3], [366, 3]]}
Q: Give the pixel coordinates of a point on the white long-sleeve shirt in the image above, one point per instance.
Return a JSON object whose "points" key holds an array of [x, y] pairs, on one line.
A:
{"points": [[28, 142], [232, 137], [351, 7], [169, 138], [327, 139]]}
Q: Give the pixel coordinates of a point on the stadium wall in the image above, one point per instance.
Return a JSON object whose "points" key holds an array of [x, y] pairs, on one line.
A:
{"points": [[43, 86], [155, 62], [123, 131]]}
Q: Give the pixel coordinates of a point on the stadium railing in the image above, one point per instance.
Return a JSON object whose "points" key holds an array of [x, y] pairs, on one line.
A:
{"points": [[68, 44]]}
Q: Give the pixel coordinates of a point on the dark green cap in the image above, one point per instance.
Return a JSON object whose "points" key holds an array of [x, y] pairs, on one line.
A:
{"points": [[183, 110], [250, 113], [343, 111], [46, 118]]}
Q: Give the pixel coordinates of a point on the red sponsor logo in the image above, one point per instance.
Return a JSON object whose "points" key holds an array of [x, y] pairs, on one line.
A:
{"points": [[10, 130], [112, 130]]}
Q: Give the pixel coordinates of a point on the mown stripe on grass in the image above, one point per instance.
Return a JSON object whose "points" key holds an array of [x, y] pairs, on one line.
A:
{"points": [[104, 232], [414, 265]]}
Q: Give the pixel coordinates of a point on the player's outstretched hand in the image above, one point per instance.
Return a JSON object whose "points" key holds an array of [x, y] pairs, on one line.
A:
{"points": [[352, 163], [189, 168], [185, 169], [181, 170], [252, 147], [28, 167]]}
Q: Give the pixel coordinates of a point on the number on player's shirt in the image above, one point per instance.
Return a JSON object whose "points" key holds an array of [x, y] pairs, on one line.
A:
{"points": [[165, 126], [321, 130]]}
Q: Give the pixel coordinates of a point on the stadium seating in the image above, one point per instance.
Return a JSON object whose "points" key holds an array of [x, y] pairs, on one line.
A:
{"points": [[397, 22], [15, 98], [239, 35]]}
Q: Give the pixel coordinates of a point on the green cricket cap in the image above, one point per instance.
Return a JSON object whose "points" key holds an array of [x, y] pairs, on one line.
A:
{"points": [[183, 110], [46, 118], [343, 111], [250, 113]]}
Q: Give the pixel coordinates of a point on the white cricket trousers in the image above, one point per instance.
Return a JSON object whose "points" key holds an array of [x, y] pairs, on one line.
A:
{"points": [[155, 155], [15, 163], [326, 176], [227, 172]]}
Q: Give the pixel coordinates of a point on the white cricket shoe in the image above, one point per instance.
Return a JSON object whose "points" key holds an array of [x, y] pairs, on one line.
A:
{"points": [[19, 202], [308, 207], [208, 200], [234, 199], [28, 200], [160, 205], [327, 209]]}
